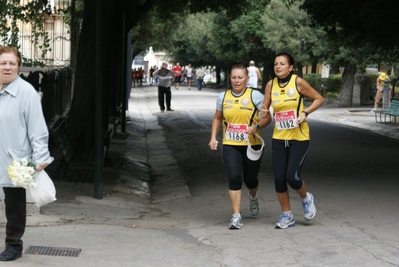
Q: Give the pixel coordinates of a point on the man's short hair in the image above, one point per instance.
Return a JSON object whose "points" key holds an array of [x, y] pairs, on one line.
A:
{"points": [[252, 63]]}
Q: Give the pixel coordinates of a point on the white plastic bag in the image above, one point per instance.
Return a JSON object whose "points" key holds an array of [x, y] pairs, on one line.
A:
{"points": [[44, 192]]}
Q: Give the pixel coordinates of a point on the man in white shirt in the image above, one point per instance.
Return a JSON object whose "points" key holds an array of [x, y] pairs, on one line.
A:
{"points": [[189, 73], [254, 75], [165, 77]]}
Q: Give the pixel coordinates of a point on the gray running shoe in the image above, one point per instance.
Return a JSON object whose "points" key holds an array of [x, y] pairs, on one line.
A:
{"points": [[236, 222], [309, 208], [285, 221], [253, 205]]}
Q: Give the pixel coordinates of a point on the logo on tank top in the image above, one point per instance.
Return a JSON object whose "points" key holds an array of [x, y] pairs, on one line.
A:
{"points": [[245, 102], [291, 92]]}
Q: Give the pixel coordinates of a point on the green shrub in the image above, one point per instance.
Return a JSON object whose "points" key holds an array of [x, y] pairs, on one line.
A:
{"points": [[331, 95], [324, 85], [314, 80], [373, 81]]}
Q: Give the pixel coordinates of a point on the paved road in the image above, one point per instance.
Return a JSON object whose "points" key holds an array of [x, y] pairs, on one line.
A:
{"points": [[352, 172]]}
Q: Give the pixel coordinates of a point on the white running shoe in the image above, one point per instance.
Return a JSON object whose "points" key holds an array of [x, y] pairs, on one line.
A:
{"points": [[236, 222], [285, 221], [309, 209]]}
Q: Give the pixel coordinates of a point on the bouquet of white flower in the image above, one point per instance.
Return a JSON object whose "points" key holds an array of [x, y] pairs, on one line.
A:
{"points": [[21, 174]]}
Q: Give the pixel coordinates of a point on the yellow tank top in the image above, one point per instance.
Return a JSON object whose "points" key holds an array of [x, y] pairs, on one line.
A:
{"points": [[239, 112], [287, 104]]}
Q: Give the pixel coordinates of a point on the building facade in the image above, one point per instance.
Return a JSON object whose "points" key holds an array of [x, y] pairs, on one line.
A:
{"points": [[48, 43]]}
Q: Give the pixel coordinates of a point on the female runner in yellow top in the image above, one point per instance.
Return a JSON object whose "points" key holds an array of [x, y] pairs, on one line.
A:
{"points": [[290, 141], [237, 110]]}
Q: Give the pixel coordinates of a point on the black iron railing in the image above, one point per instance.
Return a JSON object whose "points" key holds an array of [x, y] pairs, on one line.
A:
{"points": [[55, 85]]}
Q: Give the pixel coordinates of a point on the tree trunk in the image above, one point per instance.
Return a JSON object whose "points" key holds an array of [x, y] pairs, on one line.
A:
{"points": [[81, 114], [298, 69], [227, 82], [314, 67], [348, 81], [218, 76]]}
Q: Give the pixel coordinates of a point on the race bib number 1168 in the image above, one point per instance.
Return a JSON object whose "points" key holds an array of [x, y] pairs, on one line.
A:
{"points": [[236, 132]]}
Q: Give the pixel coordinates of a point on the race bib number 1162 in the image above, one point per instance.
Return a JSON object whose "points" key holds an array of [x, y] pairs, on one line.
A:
{"points": [[286, 120]]}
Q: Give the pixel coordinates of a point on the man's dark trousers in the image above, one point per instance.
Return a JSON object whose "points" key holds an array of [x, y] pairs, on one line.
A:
{"points": [[162, 92]]}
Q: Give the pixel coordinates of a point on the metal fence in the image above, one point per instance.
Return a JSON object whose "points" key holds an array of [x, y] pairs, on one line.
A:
{"points": [[56, 87]]}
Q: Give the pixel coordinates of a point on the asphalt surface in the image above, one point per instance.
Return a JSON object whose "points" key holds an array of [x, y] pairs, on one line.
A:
{"points": [[165, 205]]}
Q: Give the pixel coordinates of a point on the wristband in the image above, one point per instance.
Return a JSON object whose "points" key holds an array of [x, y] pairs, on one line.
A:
{"points": [[256, 126], [306, 113]]}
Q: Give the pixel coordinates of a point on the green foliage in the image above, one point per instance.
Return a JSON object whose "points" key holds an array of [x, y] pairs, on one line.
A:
{"points": [[66, 12], [314, 80], [365, 23], [218, 39], [204, 39], [28, 62], [288, 28], [331, 95], [373, 83], [154, 23], [33, 13], [263, 29], [249, 31], [331, 84], [151, 31]]}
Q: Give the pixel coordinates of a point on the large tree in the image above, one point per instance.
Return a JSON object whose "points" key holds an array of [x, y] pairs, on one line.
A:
{"points": [[358, 23], [363, 27], [289, 29], [222, 40]]}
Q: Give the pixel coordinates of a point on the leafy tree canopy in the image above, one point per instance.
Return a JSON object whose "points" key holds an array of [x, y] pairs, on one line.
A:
{"points": [[358, 23], [289, 29]]}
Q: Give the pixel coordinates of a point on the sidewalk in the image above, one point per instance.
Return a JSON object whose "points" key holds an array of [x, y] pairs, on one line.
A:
{"points": [[357, 117], [105, 230]]}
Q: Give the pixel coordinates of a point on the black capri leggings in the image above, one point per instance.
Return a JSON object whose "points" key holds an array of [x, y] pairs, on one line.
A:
{"points": [[239, 166], [288, 158]]}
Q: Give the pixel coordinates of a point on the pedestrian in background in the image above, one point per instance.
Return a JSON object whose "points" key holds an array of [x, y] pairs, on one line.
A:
{"points": [[165, 78], [189, 76], [254, 75], [177, 70], [237, 112], [290, 141], [380, 88], [155, 78], [200, 77], [23, 135], [151, 75], [134, 77], [140, 76]]}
